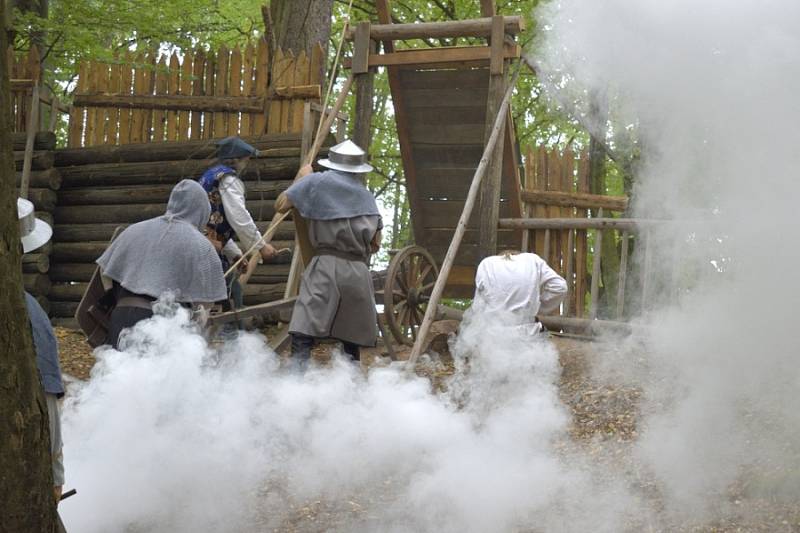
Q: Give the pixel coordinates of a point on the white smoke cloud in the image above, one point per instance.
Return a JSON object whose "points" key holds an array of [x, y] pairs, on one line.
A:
{"points": [[713, 88], [173, 435]]}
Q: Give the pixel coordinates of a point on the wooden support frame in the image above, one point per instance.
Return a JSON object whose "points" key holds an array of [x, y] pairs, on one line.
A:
{"points": [[481, 27], [444, 55], [490, 188], [364, 86]]}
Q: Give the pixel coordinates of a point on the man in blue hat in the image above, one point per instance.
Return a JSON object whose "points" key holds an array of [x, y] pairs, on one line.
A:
{"points": [[229, 215]]}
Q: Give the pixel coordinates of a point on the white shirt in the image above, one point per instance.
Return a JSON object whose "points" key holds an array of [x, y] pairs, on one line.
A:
{"points": [[522, 284], [231, 191]]}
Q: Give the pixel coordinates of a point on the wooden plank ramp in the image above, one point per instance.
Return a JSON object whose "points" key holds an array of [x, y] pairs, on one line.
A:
{"points": [[441, 120]]}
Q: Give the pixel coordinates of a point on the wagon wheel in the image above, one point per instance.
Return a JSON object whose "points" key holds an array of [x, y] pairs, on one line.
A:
{"points": [[409, 284]]}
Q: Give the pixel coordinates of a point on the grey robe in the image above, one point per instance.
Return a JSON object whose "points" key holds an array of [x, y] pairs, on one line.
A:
{"points": [[336, 297]]}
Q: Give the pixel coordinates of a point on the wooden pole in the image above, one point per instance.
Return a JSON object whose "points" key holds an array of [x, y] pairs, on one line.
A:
{"points": [[598, 254], [481, 27], [577, 223], [575, 199], [490, 187], [570, 271], [469, 204], [33, 126], [623, 272]]}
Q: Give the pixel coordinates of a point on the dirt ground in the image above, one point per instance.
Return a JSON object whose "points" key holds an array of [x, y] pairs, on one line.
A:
{"points": [[604, 425]]}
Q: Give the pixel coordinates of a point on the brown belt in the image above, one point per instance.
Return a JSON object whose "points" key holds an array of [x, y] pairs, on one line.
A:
{"points": [[342, 255], [135, 301]]}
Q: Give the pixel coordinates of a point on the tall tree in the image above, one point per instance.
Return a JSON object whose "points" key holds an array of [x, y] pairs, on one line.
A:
{"points": [[26, 475], [297, 25]]}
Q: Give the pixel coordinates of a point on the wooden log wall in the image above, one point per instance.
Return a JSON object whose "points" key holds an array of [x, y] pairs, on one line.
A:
{"points": [[566, 251], [149, 97], [103, 187]]}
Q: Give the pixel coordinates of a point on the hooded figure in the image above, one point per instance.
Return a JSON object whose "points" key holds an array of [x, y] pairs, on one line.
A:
{"points": [[336, 297], [165, 253]]}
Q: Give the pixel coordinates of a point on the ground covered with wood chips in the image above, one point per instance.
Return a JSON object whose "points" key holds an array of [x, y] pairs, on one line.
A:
{"points": [[604, 426]]}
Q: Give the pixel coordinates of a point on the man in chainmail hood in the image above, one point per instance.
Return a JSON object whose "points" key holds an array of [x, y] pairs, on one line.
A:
{"points": [[167, 253], [336, 297]]}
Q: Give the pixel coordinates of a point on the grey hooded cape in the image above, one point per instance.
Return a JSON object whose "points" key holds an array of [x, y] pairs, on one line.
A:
{"points": [[330, 195], [169, 253]]}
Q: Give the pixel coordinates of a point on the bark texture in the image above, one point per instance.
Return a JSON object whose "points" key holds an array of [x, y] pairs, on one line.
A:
{"points": [[297, 25], [26, 478]]}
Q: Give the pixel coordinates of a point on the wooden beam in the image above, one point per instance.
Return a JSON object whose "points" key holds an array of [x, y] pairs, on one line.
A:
{"points": [[490, 188], [623, 273], [562, 323], [428, 56], [481, 27], [364, 87], [385, 17], [597, 259], [247, 312], [361, 48], [18, 85], [575, 199], [496, 44], [184, 102], [630, 224], [487, 8]]}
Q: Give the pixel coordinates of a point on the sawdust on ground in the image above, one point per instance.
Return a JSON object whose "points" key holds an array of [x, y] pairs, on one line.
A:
{"points": [[604, 425]]}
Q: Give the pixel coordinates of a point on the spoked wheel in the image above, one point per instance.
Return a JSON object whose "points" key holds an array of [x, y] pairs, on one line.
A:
{"points": [[409, 284]]}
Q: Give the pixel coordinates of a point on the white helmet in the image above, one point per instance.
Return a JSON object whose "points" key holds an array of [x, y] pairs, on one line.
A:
{"points": [[347, 157], [33, 232]]}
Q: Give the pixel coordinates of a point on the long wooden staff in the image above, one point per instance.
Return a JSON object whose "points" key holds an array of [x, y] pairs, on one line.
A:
{"points": [[322, 134]]}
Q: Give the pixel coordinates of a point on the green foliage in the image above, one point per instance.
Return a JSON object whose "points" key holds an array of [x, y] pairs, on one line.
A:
{"points": [[100, 29]]}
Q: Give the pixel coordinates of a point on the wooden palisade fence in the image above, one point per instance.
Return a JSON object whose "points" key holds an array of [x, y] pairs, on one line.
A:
{"points": [[197, 95], [557, 204]]}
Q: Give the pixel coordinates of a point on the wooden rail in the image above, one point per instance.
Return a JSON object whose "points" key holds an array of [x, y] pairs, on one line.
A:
{"points": [[575, 199], [481, 27], [186, 102], [575, 223]]}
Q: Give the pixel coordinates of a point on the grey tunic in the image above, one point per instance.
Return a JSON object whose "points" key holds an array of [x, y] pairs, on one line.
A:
{"points": [[336, 297]]}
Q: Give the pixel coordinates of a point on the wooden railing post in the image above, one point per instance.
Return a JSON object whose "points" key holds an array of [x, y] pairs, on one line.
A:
{"points": [[623, 273], [596, 272]]}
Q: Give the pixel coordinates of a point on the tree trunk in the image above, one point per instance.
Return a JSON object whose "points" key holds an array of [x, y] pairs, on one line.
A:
{"points": [[297, 25], [25, 469]]}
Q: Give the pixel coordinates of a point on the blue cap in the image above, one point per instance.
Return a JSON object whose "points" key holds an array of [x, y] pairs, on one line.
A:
{"points": [[234, 148]]}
